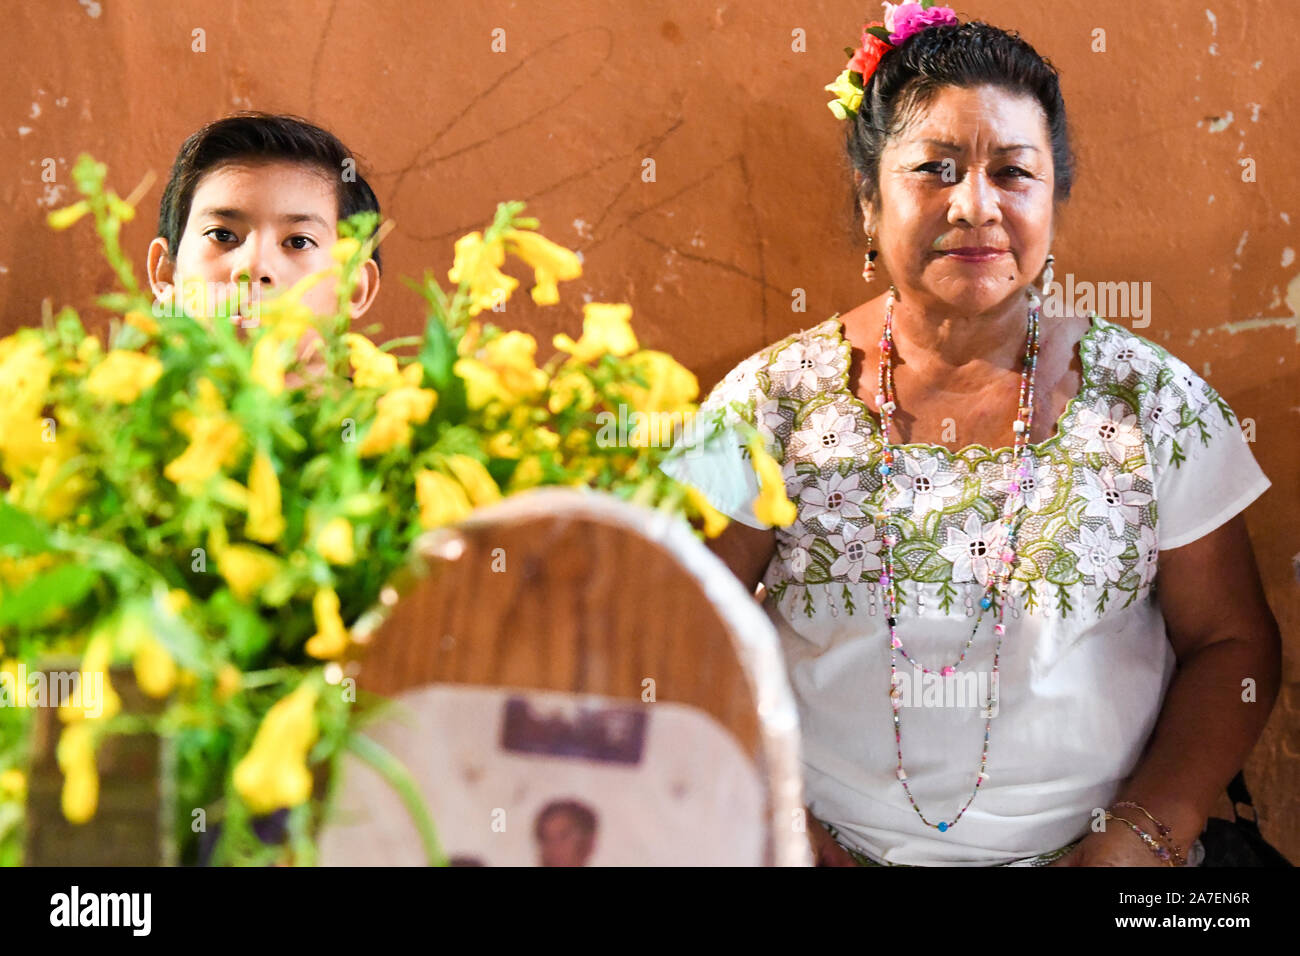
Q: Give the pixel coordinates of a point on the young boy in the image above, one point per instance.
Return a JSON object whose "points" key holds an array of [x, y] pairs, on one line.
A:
{"points": [[259, 196]]}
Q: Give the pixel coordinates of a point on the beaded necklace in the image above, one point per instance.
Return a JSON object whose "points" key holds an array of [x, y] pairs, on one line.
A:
{"points": [[1014, 502]]}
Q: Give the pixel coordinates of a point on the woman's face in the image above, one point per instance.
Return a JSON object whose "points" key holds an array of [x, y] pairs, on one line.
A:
{"points": [[965, 207]]}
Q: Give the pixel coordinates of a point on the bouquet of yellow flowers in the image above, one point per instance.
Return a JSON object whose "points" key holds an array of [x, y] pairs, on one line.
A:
{"points": [[190, 499]]}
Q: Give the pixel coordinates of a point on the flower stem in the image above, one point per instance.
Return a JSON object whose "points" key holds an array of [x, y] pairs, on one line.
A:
{"points": [[399, 778]]}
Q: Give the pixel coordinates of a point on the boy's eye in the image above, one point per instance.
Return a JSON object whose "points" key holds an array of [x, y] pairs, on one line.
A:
{"points": [[301, 242], [221, 235]]}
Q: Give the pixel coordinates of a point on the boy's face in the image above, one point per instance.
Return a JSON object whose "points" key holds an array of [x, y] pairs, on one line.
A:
{"points": [[273, 222]]}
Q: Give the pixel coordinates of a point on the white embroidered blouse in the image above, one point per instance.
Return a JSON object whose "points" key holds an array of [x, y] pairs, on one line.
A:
{"points": [[1147, 456]]}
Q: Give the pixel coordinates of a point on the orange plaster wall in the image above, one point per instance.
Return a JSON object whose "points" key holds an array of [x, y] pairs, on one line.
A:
{"points": [[750, 199]]}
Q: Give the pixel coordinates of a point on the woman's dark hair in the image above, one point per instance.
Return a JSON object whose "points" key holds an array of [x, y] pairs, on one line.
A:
{"points": [[962, 55], [260, 137]]}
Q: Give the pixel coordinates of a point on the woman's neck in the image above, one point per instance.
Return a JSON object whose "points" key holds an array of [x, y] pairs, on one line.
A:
{"points": [[960, 352]]}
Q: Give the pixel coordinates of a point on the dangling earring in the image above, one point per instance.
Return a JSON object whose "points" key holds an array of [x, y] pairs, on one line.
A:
{"points": [[869, 267], [1035, 297]]}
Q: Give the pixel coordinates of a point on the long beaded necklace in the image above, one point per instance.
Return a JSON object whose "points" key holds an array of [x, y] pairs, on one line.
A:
{"points": [[997, 583]]}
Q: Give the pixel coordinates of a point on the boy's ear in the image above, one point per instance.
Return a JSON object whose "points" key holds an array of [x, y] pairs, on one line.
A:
{"points": [[363, 296], [161, 269]]}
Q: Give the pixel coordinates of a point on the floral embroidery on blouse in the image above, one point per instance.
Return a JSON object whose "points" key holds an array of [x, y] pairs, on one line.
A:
{"points": [[1087, 531]]}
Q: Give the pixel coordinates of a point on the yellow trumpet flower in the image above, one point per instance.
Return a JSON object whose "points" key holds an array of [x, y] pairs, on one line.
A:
{"points": [[396, 411], [13, 785], [715, 522], [551, 263], [504, 371], [371, 367], [442, 500], [479, 263], [335, 542], [68, 215], [215, 438], [274, 773], [155, 671], [140, 320], [265, 520], [606, 329], [246, 568], [772, 507], [268, 365], [331, 637], [475, 479], [95, 665], [75, 754]]}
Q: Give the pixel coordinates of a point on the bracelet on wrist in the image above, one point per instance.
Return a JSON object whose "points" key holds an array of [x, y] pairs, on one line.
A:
{"points": [[1170, 858]]}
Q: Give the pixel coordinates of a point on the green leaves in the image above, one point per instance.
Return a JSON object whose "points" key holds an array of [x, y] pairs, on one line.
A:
{"points": [[438, 357], [34, 603]]}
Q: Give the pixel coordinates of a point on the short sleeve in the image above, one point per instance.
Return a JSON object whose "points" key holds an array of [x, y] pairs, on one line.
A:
{"points": [[711, 455], [1205, 470]]}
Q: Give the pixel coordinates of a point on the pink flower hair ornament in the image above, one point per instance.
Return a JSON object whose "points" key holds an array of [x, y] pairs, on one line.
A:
{"points": [[902, 20]]}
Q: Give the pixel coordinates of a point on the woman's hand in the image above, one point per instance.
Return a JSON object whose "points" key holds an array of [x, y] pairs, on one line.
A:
{"points": [[825, 851], [1116, 846]]}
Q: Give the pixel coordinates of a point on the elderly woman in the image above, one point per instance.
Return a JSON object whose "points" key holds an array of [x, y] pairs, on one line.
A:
{"points": [[1017, 600]]}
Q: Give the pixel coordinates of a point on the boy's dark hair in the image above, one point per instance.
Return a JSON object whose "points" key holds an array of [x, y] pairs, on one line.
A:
{"points": [[266, 137], [964, 55]]}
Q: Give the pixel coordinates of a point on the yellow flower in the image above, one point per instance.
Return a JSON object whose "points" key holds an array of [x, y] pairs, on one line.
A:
{"points": [[848, 97], [155, 671], [479, 263], [344, 249], [571, 387], [772, 507], [9, 669], [215, 438], [543, 437], [139, 320], [469, 341], [715, 522], [13, 785], [286, 314], [482, 386], [265, 521], [606, 329], [371, 367], [176, 601], [664, 402], [88, 349], [671, 387], [331, 637], [396, 410], [24, 380], [527, 474], [65, 217], [75, 754], [335, 542], [274, 773], [505, 372], [503, 445], [475, 479], [229, 681], [442, 500], [246, 568], [97, 699], [268, 367], [550, 262]]}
